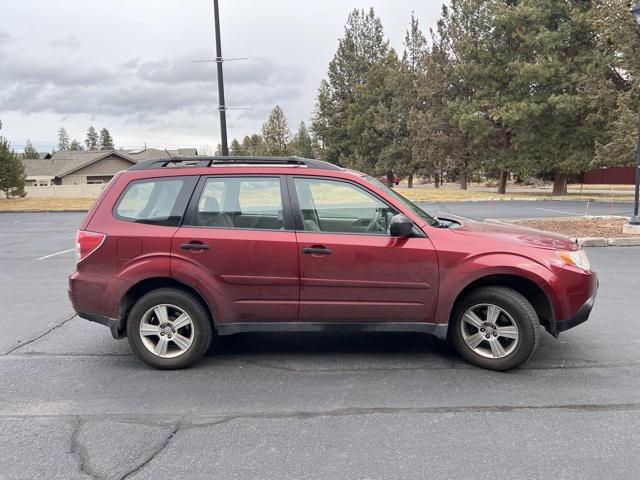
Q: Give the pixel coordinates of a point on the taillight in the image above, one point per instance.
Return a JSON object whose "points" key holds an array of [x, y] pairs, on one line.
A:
{"points": [[87, 243]]}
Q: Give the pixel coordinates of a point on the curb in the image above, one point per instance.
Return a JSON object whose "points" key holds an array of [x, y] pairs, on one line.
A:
{"points": [[582, 241], [45, 211], [522, 199]]}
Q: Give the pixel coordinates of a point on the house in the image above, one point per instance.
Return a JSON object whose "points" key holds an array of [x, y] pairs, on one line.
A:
{"points": [[87, 167]]}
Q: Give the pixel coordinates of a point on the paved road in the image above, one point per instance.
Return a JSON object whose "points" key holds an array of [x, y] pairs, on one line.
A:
{"points": [[75, 403]]}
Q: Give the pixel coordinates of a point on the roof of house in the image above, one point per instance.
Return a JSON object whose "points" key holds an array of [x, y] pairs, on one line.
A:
{"points": [[64, 162]]}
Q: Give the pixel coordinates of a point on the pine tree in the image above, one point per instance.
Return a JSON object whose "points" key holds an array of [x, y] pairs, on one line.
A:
{"points": [[253, 145], [12, 174], [236, 148], [75, 145], [30, 151], [617, 99], [106, 142], [92, 139], [302, 144], [275, 133], [362, 47], [415, 49], [63, 139], [379, 119]]}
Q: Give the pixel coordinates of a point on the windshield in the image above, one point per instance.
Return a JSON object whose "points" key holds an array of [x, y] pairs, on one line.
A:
{"points": [[407, 203]]}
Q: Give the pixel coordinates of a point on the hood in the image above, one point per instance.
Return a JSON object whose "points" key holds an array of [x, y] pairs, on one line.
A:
{"points": [[513, 234]]}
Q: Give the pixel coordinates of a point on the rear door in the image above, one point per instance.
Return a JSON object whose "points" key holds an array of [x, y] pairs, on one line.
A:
{"points": [[351, 269], [237, 242]]}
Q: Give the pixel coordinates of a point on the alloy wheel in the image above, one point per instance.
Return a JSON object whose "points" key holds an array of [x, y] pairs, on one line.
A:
{"points": [[489, 330], [167, 331]]}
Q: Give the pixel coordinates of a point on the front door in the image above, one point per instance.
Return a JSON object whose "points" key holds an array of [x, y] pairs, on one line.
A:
{"points": [[351, 269], [237, 247]]}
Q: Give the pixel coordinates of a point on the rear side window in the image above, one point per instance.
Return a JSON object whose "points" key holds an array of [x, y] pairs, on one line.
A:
{"points": [[157, 201], [241, 202]]}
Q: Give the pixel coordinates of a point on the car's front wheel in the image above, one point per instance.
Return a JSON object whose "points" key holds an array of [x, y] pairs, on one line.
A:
{"points": [[495, 328], [169, 328]]}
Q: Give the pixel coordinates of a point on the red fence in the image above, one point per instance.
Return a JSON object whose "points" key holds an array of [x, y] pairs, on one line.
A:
{"points": [[611, 176]]}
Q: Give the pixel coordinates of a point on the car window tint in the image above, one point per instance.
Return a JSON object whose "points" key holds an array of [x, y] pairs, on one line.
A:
{"points": [[241, 202], [341, 207], [151, 201]]}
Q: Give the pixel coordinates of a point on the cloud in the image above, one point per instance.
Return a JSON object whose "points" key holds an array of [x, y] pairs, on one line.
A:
{"points": [[140, 89], [66, 43]]}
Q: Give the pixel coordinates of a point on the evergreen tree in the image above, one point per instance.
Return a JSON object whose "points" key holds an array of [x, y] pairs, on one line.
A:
{"points": [[253, 145], [302, 144], [362, 47], [92, 139], [617, 98], [379, 119], [30, 151], [275, 133], [63, 139], [106, 142], [75, 145], [236, 148], [415, 48], [436, 140], [12, 174]]}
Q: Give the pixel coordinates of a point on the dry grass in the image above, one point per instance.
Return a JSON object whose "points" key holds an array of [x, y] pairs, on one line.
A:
{"points": [[39, 204], [578, 227], [445, 194]]}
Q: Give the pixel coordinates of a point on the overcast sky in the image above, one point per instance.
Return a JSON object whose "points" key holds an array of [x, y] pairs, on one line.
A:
{"points": [[127, 65]]}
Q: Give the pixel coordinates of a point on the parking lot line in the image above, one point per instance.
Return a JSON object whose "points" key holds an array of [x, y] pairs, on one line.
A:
{"points": [[57, 253], [558, 211]]}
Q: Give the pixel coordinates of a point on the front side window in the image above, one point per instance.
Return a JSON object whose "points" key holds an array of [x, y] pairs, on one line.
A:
{"points": [[154, 201], [241, 202], [341, 207]]}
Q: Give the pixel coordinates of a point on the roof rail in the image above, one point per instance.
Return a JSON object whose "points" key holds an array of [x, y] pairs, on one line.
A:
{"points": [[200, 161]]}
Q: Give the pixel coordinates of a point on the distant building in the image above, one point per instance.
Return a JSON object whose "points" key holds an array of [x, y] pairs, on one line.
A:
{"points": [[89, 166]]}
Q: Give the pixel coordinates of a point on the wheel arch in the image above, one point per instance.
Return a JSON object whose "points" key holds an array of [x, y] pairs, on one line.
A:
{"points": [[527, 288], [147, 285]]}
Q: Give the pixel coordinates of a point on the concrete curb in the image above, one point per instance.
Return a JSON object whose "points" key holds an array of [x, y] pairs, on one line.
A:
{"points": [[45, 211], [582, 241], [522, 199]]}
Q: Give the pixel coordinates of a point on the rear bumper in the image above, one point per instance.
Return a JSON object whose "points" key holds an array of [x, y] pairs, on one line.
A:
{"points": [[581, 316], [117, 326]]}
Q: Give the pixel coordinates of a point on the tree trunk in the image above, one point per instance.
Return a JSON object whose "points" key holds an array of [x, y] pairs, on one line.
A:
{"points": [[463, 181], [389, 178], [410, 181], [502, 186], [441, 179], [559, 183], [437, 181]]}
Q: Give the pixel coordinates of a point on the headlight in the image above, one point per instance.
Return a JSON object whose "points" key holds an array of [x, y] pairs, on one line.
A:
{"points": [[576, 258]]}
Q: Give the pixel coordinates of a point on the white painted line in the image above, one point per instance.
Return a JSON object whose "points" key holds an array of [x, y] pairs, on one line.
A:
{"points": [[57, 253], [445, 214], [558, 211]]}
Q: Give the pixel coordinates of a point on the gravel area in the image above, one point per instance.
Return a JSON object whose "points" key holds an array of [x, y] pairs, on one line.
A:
{"points": [[577, 227]]}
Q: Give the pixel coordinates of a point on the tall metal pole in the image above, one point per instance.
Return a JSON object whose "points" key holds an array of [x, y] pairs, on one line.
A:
{"points": [[221, 106], [635, 220]]}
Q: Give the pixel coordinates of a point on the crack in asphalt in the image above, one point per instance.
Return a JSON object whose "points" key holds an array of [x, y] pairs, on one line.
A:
{"points": [[163, 445], [35, 339], [78, 450]]}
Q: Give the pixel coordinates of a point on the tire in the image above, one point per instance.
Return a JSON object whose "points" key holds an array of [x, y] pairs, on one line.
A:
{"points": [[514, 311], [185, 344]]}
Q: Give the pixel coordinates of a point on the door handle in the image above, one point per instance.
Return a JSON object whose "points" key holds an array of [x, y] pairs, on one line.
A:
{"points": [[317, 249], [194, 246]]}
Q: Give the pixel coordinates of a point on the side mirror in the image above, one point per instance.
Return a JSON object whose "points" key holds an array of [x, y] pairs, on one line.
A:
{"points": [[400, 226]]}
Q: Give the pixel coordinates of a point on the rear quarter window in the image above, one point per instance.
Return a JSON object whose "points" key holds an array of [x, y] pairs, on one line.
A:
{"points": [[156, 201]]}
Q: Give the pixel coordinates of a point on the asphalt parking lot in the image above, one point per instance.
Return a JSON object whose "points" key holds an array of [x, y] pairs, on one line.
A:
{"points": [[74, 403]]}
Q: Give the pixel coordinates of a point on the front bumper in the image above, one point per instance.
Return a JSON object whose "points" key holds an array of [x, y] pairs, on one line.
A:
{"points": [[581, 316], [117, 326]]}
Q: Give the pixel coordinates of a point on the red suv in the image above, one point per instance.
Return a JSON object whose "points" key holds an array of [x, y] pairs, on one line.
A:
{"points": [[175, 250]]}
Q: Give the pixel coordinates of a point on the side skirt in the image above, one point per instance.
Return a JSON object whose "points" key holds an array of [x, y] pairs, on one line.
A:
{"points": [[439, 330]]}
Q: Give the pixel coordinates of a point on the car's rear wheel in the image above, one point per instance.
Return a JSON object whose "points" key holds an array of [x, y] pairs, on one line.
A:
{"points": [[495, 328], [169, 328]]}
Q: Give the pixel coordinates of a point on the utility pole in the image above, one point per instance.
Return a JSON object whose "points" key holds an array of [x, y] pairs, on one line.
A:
{"points": [[221, 106]]}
